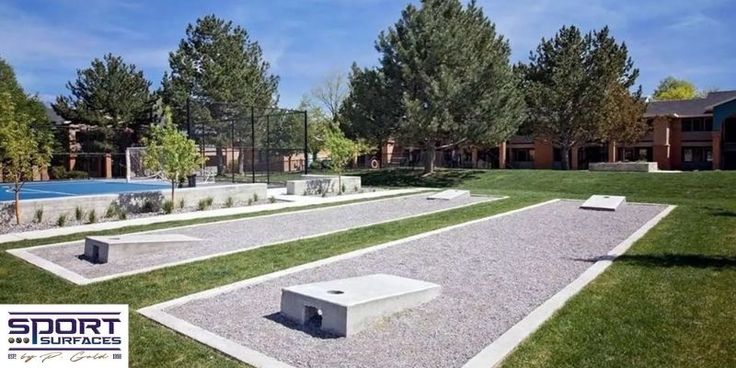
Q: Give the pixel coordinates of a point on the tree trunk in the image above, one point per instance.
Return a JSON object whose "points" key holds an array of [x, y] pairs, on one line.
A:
{"points": [[173, 185], [565, 157], [17, 206], [429, 154], [218, 156], [241, 162]]}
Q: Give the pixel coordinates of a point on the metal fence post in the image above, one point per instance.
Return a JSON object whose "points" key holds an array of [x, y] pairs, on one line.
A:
{"points": [[232, 150], [268, 150], [253, 143], [306, 149]]}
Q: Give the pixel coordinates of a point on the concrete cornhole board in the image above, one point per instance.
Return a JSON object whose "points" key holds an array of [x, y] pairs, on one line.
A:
{"points": [[450, 194], [97, 249], [347, 306], [603, 203]]}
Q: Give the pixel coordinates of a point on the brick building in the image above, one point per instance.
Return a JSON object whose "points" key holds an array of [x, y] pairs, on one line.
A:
{"points": [[694, 134]]}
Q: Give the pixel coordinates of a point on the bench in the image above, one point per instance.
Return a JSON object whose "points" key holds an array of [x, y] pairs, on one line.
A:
{"points": [[97, 249]]}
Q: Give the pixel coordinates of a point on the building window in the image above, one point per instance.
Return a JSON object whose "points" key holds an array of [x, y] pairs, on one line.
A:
{"points": [[697, 154], [523, 154], [703, 124]]}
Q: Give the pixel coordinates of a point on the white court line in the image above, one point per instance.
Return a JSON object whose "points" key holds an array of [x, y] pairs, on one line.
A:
{"points": [[490, 356], [56, 269], [46, 191]]}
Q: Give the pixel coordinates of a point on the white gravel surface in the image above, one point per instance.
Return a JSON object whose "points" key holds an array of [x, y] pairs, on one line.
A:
{"points": [[251, 232], [492, 273]]}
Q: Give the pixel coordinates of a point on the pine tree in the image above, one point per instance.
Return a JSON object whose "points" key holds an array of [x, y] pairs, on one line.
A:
{"points": [[373, 108], [111, 96], [453, 70], [220, 73], [578, 90]]}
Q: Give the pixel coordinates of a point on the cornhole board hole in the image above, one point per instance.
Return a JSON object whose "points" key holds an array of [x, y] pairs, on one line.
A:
{"points": [[347, 306], [450, 194], [603, 203], [98, 249]]}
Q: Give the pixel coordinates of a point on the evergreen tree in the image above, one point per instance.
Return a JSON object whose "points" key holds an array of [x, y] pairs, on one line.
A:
{"points": [[220, 73], [454, 75], [578, 90], [373, 108], [25, 104], [113, 98]]}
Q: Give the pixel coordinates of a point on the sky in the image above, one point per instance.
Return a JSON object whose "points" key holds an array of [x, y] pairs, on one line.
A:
{"points": [[305, 41]]}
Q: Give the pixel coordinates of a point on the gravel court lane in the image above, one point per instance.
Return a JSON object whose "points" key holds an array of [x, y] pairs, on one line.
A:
{"points": [[253, 232], [492, 273]]}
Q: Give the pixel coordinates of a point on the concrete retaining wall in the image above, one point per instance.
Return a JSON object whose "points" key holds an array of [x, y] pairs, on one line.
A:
{"points": [[134, 202], [624, 166], [317, 184]]}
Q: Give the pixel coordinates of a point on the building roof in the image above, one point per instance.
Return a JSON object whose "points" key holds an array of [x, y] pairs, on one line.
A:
{"points": [[692, 107], [53, 116]]}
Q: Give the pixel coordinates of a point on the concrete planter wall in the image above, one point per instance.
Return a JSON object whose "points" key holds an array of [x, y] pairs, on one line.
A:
{"points": [[135, 202], [318, 184], [624, 166]]}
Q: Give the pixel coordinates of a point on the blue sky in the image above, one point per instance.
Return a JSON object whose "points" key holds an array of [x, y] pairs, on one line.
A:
{"points": [[305, 40]]}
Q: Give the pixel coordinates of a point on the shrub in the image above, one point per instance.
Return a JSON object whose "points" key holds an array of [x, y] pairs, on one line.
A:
{"points": [[92, 217], [78, 213], [181, 203], [58, 172], [229, 202], [76, 174], [148, 206], [272, 199], [204, 203], [112, 210], [38, 215], [61, 220], [167, 206], [122, 215]]}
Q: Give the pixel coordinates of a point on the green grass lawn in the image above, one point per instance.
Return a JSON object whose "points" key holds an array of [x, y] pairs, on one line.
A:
{"points": [[669, 302]]}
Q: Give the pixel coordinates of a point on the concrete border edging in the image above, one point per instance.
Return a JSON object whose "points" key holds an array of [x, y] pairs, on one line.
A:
{"points": [[47, 233], [493, 354], [78, 279], [156, 312]]}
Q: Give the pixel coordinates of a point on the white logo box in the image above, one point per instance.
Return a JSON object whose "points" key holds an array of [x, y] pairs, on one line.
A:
{"points": [[64, 335]]}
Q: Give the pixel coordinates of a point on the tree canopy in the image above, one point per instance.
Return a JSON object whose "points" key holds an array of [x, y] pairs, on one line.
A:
{"points": [[373, 108], [170, 152], [22, 148], [450, 70], [578, 90], [219, 74], [113, 98], [672, 88], [220, 69]]}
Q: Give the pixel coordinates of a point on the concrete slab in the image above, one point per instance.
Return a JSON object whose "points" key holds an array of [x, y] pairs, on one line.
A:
{"points": [[450, 194], [603, 203], [97, 249], [347, 306]]}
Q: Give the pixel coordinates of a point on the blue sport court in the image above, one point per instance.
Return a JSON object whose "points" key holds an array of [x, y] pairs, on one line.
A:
{"points": [[71, 188]]}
